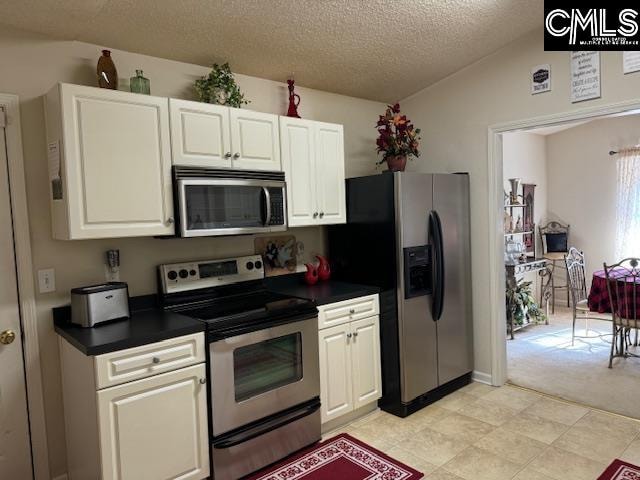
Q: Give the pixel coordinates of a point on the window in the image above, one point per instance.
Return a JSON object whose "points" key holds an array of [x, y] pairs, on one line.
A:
{"points": [[628, 205]]}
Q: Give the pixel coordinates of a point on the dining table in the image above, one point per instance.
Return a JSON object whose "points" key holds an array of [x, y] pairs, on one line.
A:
{"points": [[599, 300]]}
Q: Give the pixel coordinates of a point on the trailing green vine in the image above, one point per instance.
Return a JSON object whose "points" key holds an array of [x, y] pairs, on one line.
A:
{"points": [[220, 87], [521, 304]]}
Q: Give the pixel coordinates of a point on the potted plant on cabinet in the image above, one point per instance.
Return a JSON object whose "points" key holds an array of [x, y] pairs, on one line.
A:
{"points": [[397, 139], [220, 87]]}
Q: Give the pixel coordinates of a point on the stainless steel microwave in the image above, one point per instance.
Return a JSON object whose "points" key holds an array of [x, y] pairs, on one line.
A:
{"points": [[213, 202]]}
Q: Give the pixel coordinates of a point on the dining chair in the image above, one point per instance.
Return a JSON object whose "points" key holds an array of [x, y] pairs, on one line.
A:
{"points": [[554, 238], [623, 285], [575, 265]]}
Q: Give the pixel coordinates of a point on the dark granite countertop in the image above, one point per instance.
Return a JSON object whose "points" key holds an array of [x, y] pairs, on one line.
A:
{"points": [[147, 324], [322, 293]]}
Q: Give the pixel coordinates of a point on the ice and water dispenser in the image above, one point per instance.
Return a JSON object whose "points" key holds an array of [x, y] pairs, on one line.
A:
{"points": [[417, 271]]}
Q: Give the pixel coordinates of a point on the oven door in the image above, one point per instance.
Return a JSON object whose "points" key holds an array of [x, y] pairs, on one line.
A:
{"points": [[261, 373], [219, 206]]}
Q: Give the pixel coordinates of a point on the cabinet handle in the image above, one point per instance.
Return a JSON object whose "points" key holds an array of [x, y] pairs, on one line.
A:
{"points": [[355, 334], [321, 214], [202, 381], [348, 335], [155, 360], [236, 155], [315, 214], [352, 311], [227, 155], [170, 220]]}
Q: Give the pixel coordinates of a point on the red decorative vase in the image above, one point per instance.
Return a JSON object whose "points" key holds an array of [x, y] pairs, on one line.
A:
{"points": [[294, 101], [396, 163], [324, 270], [311, 277]]}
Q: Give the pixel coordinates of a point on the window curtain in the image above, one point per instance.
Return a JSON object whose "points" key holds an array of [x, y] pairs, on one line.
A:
{"points": [[628, 205]]}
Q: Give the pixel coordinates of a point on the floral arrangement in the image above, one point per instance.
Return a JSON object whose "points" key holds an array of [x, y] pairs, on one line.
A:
{"points": [[220, 87], [397, 136]]}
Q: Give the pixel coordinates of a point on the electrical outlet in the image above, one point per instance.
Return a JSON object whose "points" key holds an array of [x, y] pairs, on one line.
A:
{"points": [[47, 280]]}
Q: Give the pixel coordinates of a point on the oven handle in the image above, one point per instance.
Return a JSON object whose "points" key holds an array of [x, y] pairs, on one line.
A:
{"points": [[266, 427], [267, 201]]}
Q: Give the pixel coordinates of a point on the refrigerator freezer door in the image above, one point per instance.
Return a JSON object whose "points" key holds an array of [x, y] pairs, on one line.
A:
{"points": [[455, 348], [418, 340]]}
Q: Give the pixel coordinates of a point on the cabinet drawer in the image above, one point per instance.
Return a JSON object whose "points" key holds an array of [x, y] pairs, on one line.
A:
{"points": [[347, 310], [141, 362]]}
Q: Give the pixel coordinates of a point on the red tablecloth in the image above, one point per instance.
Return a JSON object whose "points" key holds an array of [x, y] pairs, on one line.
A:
{"points": [[599, 300]]}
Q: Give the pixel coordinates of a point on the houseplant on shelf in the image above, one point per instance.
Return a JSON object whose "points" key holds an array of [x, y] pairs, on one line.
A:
{"points": [[521, 304], [220, 87], [397, 139]]}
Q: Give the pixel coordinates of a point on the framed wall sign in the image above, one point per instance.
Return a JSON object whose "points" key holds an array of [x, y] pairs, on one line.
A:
{"points": [[630, 62], [585, 76], [540, 79]]}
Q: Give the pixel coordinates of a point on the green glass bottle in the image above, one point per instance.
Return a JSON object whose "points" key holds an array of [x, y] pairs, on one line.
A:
{"points": [[139, 84]]}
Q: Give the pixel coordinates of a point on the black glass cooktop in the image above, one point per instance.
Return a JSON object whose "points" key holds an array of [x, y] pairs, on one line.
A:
{"points": [[248, 310]]}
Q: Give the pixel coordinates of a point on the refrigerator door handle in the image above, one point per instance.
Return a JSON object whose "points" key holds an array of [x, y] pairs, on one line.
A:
{"points": [[435, 226]]}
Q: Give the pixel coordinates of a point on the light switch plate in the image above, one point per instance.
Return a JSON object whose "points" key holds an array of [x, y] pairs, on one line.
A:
{"points": [[47, 280]]}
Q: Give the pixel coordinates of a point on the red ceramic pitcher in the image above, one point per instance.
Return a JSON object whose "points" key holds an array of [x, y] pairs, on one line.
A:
{"points": [[311, 277], [324, 270]]}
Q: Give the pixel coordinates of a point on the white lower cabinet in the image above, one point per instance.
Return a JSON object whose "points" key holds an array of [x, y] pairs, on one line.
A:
{"points": [[350, 374], [336, 385], [154, 427]]}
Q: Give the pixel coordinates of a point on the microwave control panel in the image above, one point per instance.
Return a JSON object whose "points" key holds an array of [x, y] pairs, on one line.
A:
{"points": [[182, 277], [277, 206]]}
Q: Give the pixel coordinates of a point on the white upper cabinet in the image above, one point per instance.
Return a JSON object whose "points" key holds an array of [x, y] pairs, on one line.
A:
{"points": [[313, 161], [298, 162], [255, 140], [205, 135], [330, 173], [109, 163], [200, 134]]}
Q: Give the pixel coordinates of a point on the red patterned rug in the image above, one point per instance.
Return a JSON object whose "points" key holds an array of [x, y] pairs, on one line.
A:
{"points": [[619, 470], [341, 457]]}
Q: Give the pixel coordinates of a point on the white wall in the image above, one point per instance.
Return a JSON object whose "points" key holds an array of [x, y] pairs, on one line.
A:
{"points": [[582, 183], [455, 114], [524, 157], [31, 65]]}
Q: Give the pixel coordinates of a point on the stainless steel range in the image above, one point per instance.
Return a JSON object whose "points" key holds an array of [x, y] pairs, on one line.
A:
{"points": [[263, 361]]}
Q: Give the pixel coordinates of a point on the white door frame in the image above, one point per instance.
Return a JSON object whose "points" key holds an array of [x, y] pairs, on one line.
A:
{"points": [[496, 212], [26, 290]]}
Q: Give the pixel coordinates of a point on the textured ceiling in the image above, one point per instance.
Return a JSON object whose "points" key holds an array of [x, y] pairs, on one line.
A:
{"points": [[377, 49]]}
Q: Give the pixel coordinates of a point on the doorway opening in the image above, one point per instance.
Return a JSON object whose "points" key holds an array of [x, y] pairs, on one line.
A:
{"points": [[560, 190]]}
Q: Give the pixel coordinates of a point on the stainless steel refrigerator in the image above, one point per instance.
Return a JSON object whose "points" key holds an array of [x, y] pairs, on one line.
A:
{"points": [[409, 234]]}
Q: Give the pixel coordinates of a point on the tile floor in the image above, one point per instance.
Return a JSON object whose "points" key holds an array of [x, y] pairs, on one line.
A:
{"points": [[487, 433]]}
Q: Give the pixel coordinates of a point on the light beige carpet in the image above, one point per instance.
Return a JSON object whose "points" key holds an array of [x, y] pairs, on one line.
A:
{"points": [[541, 358]]}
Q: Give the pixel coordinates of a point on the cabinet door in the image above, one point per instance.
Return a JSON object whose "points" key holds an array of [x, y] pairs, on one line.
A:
{"points": [[365, 358], [298, 152], [255, 140], [156, 427], [330, 173], [200, 134], [336, 391], [117, 160]]}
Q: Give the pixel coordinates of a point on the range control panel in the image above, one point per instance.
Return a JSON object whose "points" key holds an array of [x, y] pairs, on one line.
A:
{"points": [[182, 277]]}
